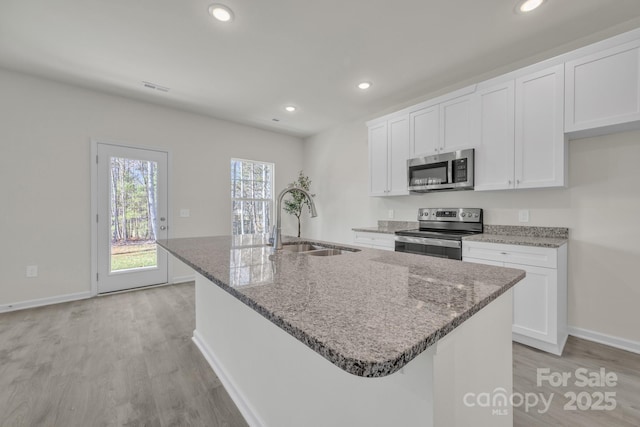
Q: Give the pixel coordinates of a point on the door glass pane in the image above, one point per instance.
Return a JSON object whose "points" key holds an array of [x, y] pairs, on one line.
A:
{"points": [[133, 213]]}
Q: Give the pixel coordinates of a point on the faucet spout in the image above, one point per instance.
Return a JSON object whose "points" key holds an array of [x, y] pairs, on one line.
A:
{"points": [[277, 229]]}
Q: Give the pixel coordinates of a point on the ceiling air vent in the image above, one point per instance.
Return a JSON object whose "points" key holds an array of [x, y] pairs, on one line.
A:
{"points": [[154, 86]]}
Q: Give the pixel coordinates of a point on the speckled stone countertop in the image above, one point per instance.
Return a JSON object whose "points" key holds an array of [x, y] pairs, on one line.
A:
{"points": [[547, 237], [389, 227], [369, 312]]}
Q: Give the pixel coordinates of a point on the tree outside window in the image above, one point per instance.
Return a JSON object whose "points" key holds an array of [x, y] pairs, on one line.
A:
{"points": [[251, 196]]}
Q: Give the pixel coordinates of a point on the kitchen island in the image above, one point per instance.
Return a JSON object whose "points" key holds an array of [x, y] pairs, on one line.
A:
{"points": [[367, 337]]}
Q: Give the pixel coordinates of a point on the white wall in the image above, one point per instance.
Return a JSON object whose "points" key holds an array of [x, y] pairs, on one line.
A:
{"points": [[601, 207], [45, 133]]}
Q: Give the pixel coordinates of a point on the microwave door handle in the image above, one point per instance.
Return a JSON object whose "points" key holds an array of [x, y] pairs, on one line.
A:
{"points": [[450, 172]]}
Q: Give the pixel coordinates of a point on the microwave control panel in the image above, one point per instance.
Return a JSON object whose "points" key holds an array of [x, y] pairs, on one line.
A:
{"points": [[459, 167]]}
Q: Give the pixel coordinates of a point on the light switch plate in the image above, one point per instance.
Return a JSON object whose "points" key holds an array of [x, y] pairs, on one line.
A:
{"points": [[185, 213], [523, 215], [390, 214], [32, 271]]}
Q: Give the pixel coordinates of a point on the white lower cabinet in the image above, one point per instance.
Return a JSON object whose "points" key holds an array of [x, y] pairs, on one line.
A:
{"points": [[540, 299], [375, 240]]}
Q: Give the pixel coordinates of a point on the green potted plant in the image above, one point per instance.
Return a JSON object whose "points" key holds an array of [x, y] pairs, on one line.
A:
{"points": [[297, 200]]}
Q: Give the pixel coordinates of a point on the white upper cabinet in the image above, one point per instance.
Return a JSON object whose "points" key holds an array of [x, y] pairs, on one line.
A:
{"points": [[521, 136], [443, 127], [603, 89], [456, 118], [378, 160], [540, 147], [425, 131], [398, 156], [494, 156], [388, 155]]}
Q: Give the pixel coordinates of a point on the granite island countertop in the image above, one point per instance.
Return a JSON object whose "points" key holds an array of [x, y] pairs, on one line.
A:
{"points": [[369, 312]]}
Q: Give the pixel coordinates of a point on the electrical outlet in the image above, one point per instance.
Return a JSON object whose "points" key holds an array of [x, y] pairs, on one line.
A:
{"points": [[185, 213], [523, 215], [390, 214], [32, 271]]}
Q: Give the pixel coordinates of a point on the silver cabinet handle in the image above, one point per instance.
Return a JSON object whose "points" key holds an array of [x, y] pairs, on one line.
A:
{"points": [[504, 253]]}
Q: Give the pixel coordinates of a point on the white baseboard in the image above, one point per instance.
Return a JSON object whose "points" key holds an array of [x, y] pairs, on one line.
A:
{"points": [[610, 340], [44, 301], [182, 279], [238, 398]]}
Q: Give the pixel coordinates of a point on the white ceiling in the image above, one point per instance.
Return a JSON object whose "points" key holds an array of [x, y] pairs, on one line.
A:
{"points": [[307, 53]]}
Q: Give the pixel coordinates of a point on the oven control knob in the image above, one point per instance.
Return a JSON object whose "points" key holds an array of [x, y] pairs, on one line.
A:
{"points": [[463, 214]]}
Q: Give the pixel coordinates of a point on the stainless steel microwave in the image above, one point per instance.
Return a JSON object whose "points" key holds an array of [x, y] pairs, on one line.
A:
{"points": [[441, 172]]}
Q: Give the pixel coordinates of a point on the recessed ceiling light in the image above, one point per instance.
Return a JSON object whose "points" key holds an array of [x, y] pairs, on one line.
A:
{"points": [[364, 85], [524, 6], [290, 108], [221, 12]]}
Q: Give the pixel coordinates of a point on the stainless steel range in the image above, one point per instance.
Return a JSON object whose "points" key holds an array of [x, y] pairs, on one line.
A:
{"points": [[441, 232]]}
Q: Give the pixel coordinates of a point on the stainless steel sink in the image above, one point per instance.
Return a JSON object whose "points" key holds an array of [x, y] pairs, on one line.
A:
{"points": [[324, 252], [315, 250], [301, 247]]}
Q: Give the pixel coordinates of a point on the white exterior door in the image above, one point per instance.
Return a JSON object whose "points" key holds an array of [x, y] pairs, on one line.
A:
{"points": [[131, 215]]}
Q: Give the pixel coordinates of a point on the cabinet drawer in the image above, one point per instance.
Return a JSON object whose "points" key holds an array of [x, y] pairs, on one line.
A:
{"points": [[386, 241], [514, 254]]}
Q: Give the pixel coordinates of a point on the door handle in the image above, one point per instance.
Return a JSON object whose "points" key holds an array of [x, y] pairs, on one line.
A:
{"points": [[163, 227]]}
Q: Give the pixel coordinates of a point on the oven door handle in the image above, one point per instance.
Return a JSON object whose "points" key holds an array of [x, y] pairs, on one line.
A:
{"points": [[431, 242]]}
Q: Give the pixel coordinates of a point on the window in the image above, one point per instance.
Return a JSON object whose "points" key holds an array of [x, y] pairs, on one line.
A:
{"points": [[251, 196]]}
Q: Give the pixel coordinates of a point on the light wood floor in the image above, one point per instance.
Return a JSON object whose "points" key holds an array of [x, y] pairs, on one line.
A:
{"points": [[593, 357], [128, 360], [119, 360]]}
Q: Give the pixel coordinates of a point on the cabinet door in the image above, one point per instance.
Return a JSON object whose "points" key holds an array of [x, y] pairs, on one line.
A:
{"points": [[494, 161], [535, 303], [540, 148], [603, 89], [398, 156], [456, 123], [425, 131], [378, 160]]}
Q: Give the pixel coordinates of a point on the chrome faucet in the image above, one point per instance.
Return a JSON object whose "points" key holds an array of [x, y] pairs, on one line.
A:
{"points": [[277, 229]]}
